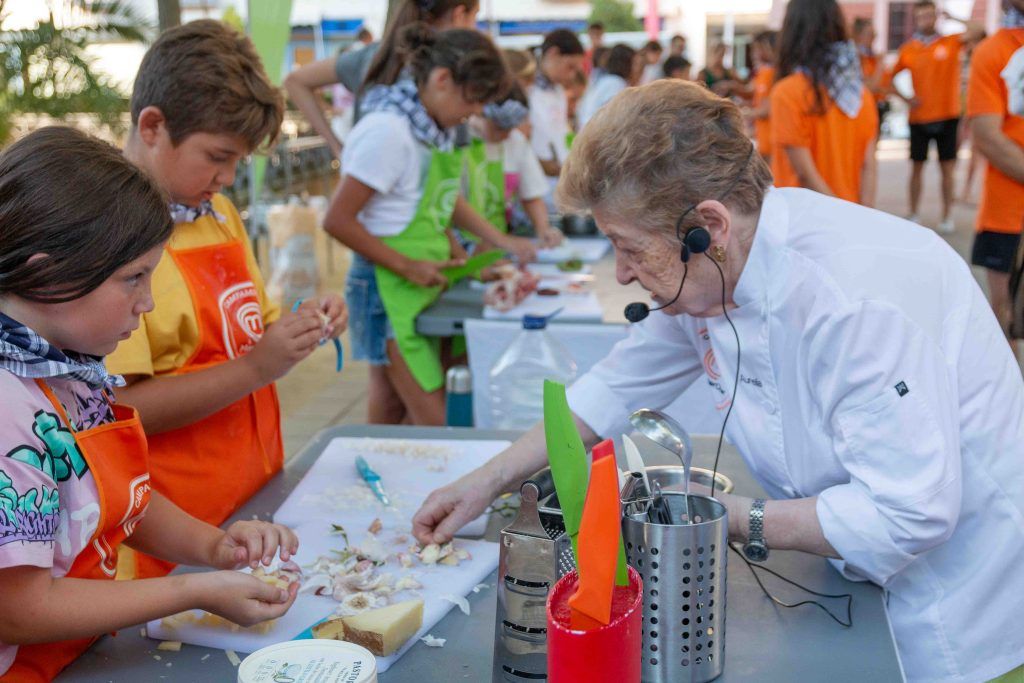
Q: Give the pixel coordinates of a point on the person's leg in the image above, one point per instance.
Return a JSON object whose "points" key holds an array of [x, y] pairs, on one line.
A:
{"points": [[947, 139], [385, 406], [999, 296], [948, 169], [918, 155], [425, 408]]}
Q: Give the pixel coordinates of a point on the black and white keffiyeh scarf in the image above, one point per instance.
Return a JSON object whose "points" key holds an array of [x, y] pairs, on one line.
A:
{"points": [[182, 213], [403, 98], [1012, 17], [845, 79]]}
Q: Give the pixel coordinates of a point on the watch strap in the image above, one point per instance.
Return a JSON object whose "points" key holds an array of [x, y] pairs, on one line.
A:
{"points": [[756, 520]]}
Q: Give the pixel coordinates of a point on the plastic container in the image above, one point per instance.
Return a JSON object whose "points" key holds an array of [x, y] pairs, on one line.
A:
{"points": [[606, 653], [517, 380], [305, 661]]}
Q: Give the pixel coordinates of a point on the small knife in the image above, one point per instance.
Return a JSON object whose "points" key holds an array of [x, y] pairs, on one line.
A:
{"points": [[372, 480]]}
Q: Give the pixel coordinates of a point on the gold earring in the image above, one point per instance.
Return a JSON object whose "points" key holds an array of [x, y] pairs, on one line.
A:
{"points": [[718, 253]]}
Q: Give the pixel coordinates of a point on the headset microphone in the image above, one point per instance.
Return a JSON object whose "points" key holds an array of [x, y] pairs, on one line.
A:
{"points": [[696, 241]]}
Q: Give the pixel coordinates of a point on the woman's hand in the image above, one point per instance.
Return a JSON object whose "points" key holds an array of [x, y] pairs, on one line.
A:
{"points": [[241, 598], [333, 308], [450, 508], [428, 273], [249, 543]]}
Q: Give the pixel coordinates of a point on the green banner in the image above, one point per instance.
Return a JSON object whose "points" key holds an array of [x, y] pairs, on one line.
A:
{"points": [[270, 30]]}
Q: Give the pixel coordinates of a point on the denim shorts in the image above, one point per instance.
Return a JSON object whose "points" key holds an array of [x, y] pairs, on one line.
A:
{"points": [[368, 326]]}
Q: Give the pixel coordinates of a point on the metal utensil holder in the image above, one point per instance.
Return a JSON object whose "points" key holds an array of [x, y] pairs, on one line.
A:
{"points": [[534, 553], [683, 567]]}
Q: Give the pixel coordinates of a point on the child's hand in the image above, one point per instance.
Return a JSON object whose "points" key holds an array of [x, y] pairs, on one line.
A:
{"points": [[332, 312], [241, 598], [522, 248], [428, 273], [249, 543], [293, 337], [549, 237]]}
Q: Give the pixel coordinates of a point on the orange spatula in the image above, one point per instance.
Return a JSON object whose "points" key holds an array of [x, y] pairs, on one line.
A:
{"points": [[597, 549]]}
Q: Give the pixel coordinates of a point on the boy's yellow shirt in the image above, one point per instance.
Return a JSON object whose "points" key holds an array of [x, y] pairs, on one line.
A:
{"points": [[168, 335]]}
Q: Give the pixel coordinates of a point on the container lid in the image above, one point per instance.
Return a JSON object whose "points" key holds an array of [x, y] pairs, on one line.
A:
{"points": [[459, 380], [304, 661], [534, 322]]}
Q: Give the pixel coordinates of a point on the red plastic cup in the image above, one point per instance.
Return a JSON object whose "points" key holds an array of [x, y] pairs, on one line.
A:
{"points": [[605, 653]]}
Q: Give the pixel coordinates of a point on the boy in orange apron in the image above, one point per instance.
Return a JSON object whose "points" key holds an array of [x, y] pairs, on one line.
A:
{"points": [[74, 479], [201, 367]]}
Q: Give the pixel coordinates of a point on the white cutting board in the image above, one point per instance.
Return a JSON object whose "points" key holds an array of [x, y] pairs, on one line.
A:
{"points": [[575, 307], [332, 490], [586, 249], [309, 609]]}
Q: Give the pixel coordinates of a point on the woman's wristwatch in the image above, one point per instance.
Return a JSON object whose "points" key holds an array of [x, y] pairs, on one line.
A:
{"points": [[756, 549]]}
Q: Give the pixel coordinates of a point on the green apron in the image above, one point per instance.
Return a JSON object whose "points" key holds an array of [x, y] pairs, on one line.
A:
{"points": [[486, 188], [424, 239]]}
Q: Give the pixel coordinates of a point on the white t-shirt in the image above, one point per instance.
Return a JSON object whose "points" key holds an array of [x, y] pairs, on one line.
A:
{"points": [[382, 153], [549, 117], [519, 160]]}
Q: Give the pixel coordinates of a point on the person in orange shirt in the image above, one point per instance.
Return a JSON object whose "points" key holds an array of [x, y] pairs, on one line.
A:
{"points": [[201, 367], [763, 48], [823, 118], [876, 77], [995, 110], [934, 64]]}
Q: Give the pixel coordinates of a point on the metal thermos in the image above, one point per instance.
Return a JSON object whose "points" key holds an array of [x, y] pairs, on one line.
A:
{"points": [[459, 397], [533, 554]]}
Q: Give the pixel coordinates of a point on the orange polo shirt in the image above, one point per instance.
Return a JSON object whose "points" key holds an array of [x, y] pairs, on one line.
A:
{"points": [[935, 72], [762, 83], [838, 144], [1002, 198]]}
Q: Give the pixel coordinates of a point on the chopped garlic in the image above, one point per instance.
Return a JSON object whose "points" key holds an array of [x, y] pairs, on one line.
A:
{"points": [[431, 641], [170, 646], [232, 657], [460, 602]]}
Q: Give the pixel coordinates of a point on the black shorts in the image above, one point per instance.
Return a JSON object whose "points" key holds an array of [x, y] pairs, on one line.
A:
{"points": [[943, 132], [995, 250]]}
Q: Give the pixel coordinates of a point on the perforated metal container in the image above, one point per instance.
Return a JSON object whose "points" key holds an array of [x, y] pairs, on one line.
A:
{"points": [[683, 567], [534, 553]]}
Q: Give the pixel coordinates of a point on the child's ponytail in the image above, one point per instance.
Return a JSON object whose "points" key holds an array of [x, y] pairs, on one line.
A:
{"points": [[474, 62]]}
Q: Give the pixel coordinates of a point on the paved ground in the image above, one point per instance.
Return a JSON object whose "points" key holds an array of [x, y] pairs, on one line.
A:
{"points": [[314, 397]]}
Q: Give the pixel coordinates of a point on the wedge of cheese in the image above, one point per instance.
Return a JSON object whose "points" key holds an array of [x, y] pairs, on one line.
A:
{"points": [[382, 631]]}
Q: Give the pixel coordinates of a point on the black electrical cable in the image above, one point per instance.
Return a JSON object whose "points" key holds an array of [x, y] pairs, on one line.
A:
{"points": [[736, 381]]}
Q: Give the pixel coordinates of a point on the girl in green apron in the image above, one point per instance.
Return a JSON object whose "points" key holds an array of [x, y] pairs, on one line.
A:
{"points": [[395, 208], [503, 167]]}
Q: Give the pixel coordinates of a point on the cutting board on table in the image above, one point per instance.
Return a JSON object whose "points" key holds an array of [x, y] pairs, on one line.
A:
{"points": [[575, 307], [410, 470], [316, 539], [586, 249]]}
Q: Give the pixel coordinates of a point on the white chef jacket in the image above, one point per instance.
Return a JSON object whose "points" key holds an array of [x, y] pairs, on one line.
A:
{"points": [[873, 375]]}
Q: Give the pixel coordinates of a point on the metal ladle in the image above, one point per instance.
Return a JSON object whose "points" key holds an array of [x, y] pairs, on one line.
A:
{"points": [[670, 435]]}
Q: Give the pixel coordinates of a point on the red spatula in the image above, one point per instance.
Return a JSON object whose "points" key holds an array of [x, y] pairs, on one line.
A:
{"points": [[597, 549]]}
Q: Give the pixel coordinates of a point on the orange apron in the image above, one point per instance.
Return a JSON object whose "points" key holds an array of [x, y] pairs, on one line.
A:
{"points": [[211, 467], [116, 455]]}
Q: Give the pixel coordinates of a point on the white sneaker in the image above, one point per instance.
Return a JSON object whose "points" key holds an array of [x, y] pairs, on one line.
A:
{"points": [[913, 218], [947, 226]]}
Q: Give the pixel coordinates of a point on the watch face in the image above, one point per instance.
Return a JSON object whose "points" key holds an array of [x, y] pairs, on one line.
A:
{"points": [[756, 552]]}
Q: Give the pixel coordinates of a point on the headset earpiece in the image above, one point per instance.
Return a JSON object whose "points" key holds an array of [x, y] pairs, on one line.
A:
{"points": [[697, 240]]}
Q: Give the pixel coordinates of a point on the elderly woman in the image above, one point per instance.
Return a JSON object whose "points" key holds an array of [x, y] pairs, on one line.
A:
{"points": [[872, 392]]}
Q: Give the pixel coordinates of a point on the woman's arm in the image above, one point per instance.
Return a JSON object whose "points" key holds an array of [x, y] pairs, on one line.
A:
{"points": [[170, 402], [1002, 152], [302, 85], [537, 211], [806, 171]]}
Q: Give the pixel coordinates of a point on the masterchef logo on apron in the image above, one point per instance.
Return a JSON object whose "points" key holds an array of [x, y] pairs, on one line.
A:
{"points": [[241, 318], [138, 501]]}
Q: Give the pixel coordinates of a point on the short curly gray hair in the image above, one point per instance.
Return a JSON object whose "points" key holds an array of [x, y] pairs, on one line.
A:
{"points": [[654, 151]]}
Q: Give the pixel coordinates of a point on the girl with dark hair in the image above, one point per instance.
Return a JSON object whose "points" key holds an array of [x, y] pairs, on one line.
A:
{"points": [[561, 59], [81, 231], [395, 207], [823, 118], [622, 70], [376, 63]]}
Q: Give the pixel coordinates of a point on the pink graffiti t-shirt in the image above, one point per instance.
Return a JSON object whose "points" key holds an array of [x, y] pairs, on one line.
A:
{"points": [[49, 505]]}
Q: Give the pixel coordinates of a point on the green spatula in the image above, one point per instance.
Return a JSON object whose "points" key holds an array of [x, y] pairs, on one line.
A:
{"points": [[473, 265], [568, 457]]}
